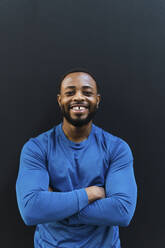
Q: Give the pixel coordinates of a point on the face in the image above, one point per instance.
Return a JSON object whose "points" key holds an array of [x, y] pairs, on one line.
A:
{"points": [[78, 98]]}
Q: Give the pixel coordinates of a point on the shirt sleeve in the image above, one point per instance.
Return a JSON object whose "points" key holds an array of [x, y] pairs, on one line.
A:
{"points": [[36, 204], [121, 194]]}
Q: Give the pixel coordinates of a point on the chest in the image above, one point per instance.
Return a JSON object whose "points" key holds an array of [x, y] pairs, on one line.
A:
{"points": [[73, 169]]}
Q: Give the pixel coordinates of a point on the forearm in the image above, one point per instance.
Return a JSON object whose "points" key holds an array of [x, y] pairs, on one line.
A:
{"points": [[45, 205], [119, 205], [109, 211], [38, 207]]}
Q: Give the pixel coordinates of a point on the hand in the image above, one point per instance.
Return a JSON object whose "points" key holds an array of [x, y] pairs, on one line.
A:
{"points": [[50, 189], [95, 193]]}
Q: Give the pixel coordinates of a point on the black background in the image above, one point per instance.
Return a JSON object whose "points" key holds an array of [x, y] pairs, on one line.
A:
{"points": [[123, 43]]}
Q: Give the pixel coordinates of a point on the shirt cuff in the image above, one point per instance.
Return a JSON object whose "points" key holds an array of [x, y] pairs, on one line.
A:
{"points": [[82, 198]]}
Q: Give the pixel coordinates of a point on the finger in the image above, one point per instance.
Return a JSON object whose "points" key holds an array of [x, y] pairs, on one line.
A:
{"points": [[50, 189]]}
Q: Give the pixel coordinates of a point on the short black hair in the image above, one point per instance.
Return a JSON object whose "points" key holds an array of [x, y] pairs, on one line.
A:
{"points": [[77, 69]]}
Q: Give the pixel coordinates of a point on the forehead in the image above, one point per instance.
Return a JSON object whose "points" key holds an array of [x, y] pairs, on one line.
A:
{"points": [[78, 80]]}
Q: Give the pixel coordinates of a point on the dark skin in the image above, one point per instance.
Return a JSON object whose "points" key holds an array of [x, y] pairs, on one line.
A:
{"points": [[78, 88], [79, 98]]}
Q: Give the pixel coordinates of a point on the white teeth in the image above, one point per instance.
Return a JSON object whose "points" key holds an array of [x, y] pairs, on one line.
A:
{"points": [[78, 108]]}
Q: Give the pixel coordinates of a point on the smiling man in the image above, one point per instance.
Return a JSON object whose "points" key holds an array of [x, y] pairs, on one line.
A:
{"points": [[76, 181]]}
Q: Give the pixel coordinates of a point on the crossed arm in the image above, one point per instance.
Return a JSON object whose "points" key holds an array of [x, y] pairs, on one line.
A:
{"points": [[118, 207], [36, 203], [83, 206]]}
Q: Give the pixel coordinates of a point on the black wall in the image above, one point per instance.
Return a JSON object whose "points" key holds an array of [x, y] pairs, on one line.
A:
{"points": [[123, 43]]}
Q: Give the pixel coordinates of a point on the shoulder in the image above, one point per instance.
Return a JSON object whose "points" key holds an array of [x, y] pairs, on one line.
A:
{"points": [[40, 142], [115, 145]]}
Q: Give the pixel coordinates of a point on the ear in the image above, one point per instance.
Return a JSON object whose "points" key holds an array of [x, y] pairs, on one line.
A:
{"points": [[98, 99], [59, 99]]}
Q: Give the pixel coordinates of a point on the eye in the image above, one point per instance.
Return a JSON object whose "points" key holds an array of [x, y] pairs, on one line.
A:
{"points": [[87, 93], [69, 93]]}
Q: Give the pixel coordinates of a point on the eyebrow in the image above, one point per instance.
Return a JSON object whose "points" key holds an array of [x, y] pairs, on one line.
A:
{"points": [[84, 87]]}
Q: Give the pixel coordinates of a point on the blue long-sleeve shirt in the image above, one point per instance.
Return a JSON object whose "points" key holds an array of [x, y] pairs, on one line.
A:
{"points": [[64, 218]]}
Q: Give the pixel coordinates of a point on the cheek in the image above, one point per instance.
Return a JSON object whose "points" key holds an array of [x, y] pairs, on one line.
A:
{"points": [[63, 101], [93, 103], [65, 105]]}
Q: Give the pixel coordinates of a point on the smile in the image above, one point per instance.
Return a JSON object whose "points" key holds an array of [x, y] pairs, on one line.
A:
{"points": [[79, 109]]}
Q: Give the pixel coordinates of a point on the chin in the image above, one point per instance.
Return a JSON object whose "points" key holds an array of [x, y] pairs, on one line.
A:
{"points": [[79, 121]]}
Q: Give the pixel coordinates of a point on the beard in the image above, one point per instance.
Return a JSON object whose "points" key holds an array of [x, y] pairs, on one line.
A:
{"points": [[78, 122]]}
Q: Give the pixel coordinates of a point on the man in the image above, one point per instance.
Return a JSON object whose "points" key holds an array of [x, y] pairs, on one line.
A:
{"points": [[76, 181]]}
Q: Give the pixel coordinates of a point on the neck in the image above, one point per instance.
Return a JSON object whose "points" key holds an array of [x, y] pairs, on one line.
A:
{"points": [[76, 134]]}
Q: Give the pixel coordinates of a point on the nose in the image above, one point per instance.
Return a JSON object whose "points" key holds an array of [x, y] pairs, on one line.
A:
{"points": [[78, 96]]}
